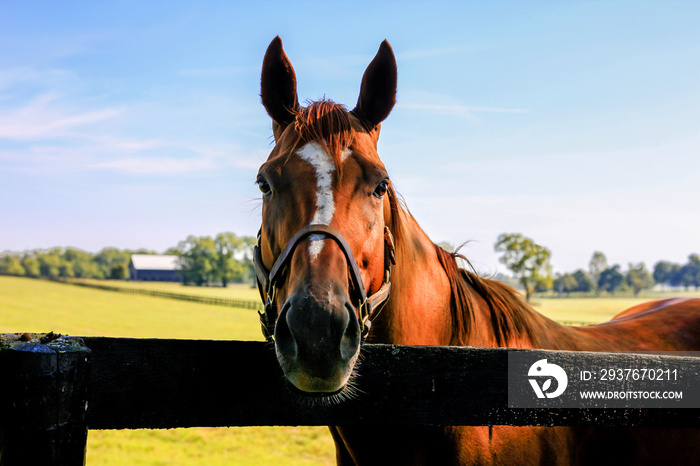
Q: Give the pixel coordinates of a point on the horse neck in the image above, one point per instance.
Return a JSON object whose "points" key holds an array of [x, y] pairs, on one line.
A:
{"points": [[420, 294]]}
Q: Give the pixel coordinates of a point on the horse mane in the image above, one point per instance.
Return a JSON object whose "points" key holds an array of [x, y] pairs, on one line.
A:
{"points": [[507, 310], [508, 313]]}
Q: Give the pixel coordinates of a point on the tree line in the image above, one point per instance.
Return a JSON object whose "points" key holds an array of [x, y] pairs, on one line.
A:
{"points": [[529, 263], [68, 263], [225, 258]]}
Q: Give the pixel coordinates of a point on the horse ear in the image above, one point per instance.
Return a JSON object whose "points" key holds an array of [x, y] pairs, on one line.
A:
{"points": [[378, 88], [278, 87]]}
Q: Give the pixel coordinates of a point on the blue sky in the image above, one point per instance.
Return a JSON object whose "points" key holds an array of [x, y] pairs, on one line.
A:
{"points": [[134, 124]]}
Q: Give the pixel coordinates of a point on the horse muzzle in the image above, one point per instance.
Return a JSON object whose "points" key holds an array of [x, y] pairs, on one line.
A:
{"points": [[317, 342], [319, 328]]}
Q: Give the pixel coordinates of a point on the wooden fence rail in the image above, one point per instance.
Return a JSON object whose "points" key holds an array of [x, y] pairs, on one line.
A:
{"points": [[52, 392]]}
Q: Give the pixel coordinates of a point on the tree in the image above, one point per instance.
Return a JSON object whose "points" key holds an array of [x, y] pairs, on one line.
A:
{"points": [[10, 264], [227, 268], [584, 283], [197, 260], [689, 274], [596, 266], [528, 261], [639, 278], [610, 279], [664, 272], [49, 264], [223, 259], [113, 263], [249, 243], [694, 262], [76, 255], [545, 282], [578, 281], [87, 269], [66, 270], [119, 272], [31, 265], [565, 283]]}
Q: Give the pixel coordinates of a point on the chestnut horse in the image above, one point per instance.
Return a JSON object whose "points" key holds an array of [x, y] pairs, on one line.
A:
{"points": [[340, 261]]}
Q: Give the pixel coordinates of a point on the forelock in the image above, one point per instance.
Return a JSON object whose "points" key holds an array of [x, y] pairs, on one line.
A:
{"points": [[327, 123]]}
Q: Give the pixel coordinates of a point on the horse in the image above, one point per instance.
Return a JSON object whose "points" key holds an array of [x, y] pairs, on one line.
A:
{"points": [[341, 261]]}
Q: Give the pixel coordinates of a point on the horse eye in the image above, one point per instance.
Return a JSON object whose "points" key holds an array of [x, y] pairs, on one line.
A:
{"points": [[381, 189], [264, 186]]}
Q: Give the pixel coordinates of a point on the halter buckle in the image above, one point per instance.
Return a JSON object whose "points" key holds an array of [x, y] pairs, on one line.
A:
{"points": [[268, 333]]}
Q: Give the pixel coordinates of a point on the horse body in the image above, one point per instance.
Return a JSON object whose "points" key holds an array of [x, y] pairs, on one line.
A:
{"points": [[324, 170], [663, 325]]}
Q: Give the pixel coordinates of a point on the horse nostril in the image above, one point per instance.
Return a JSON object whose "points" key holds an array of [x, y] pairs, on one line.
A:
{"points": [[350, 341], [284, 338]]}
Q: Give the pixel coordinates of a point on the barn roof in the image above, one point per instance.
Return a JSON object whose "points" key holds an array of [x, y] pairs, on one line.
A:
{"points": [[154, 262]]}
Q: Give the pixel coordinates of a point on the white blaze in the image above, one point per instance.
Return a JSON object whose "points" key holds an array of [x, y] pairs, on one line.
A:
{"points": [[324, 167]]}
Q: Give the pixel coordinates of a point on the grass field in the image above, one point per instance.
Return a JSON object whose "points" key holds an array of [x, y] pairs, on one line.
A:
{"points": [[233, 291], [41, 306], [588, 310], [595, 310]]}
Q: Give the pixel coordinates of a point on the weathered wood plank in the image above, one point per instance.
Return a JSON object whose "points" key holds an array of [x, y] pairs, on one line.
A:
{"points": [[43, 400], [179, 383]]}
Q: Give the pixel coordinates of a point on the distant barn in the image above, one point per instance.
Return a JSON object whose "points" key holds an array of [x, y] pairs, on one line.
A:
{"points": [[153, 268]]}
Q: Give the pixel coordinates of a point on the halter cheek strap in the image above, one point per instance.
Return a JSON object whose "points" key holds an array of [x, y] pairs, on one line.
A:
{"points": [[367, 307]]}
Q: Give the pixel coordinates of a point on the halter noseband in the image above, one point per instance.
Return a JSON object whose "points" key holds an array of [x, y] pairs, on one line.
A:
{"points": [[367, 306]]}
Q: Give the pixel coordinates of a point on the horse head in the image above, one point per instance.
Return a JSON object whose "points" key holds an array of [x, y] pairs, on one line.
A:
{"points": [[324, 250]]}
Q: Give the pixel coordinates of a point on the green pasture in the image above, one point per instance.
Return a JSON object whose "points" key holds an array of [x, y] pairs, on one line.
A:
{"points": [[42, 306], [36, 305], [583, 310], [241, 291], [595, 310]]}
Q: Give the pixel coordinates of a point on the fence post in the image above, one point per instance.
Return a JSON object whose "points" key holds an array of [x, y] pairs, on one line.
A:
{"points": [[43, 399]]}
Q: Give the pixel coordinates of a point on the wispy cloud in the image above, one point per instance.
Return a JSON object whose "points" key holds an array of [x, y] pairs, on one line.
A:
{"points": [[157, 165], [58, 131], [128, 157], [44, 117], [202, 158]]}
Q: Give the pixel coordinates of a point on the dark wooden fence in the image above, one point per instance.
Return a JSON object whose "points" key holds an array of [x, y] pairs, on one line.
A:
{"points": [[52, 392]]}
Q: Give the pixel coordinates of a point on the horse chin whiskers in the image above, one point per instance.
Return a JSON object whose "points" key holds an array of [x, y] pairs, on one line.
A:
{"points": [[316, 400], [324, 400]]}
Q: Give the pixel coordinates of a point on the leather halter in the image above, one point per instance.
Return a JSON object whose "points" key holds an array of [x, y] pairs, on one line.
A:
{"points": [[367, 306]]}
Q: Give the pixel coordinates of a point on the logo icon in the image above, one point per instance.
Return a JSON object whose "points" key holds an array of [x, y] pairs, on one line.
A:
{"points": [[541, 369]]}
